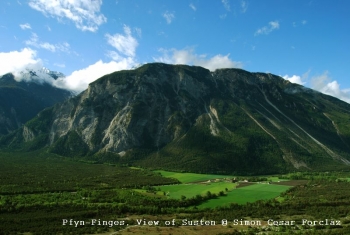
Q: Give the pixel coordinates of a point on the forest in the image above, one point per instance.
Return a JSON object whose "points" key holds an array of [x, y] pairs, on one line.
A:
{"points": [[40, 191]]}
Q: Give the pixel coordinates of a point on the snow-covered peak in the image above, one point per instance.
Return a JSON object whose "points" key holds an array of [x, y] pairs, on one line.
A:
{"points": [[41, 72], [39, 75]]}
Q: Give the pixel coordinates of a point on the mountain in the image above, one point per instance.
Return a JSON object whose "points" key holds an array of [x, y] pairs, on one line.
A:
{"points": [[39, 74], [21, 100], [187, 118]]}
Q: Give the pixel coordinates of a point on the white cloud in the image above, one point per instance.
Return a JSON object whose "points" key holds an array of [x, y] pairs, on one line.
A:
{"points": [[187, 56], [84, 13], [17, 61], [294, 79], [193, 7], [325, 84], [25, 26], [34, 41], [123, 58], [244, 6], [20, 62], [304, 22], [320, 81], [80, 79], [273, 25], [125, 44], [169, 17], [226, 5]]}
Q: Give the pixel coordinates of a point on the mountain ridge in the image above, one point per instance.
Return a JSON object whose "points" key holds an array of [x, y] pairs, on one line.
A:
{"points": [[182, 117], [21, 100]]}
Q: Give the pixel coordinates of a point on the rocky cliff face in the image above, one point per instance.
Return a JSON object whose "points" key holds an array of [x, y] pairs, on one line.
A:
{"points": [[149, 108], [188, 118]]}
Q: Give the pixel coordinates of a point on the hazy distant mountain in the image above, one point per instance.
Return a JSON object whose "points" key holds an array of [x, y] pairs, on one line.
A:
{"points": [[21, 100], [187, 118]]}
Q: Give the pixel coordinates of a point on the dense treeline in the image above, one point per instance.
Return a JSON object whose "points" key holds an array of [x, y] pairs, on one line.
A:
{"points": [[38, 172], [331, 176]]}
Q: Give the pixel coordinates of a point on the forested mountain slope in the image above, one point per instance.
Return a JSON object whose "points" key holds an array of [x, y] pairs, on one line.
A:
{"points": [[21, 101], [187, 118]]}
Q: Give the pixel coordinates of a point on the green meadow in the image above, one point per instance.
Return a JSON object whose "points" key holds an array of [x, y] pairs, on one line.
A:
{"points": [[190, 177], [193, 184], [246, 194]]}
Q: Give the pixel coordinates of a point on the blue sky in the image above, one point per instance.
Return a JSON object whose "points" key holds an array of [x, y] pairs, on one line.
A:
{"points": [[305, 41]]}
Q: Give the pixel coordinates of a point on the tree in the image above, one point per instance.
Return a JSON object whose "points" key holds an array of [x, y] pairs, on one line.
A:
{"points": [[209, 195]]}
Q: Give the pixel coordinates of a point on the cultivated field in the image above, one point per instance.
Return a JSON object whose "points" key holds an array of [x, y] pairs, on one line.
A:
{"points": [[251, 193], [191, 190], [240, 193]]}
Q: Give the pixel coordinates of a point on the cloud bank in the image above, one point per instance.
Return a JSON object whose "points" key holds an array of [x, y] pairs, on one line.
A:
{"points": [[80, 79], [123, 57], [16, 61], [19, 63]]}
